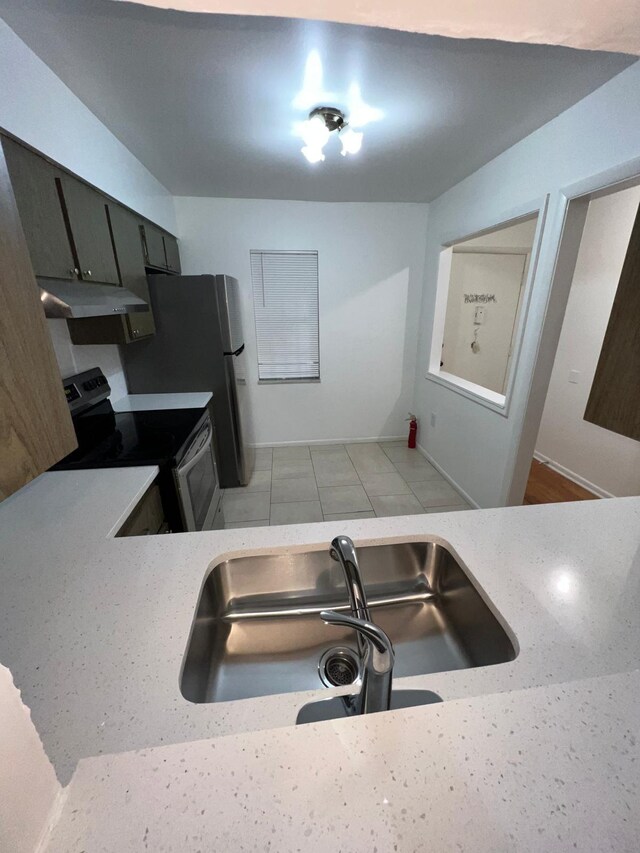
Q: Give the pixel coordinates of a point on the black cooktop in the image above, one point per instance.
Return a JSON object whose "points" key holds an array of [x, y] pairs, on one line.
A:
{"points": [[108, 439]]}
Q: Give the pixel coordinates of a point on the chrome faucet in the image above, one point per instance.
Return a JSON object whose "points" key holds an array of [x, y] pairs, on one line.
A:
{"points": [[343, 551], [375, 693], [374, 647]]}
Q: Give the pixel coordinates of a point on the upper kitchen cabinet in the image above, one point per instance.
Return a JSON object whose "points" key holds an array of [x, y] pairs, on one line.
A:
{"points": [[86, 213], [121, 329], [34, 185], [125, 229], [153, 246], [172, 253], [35, 425]]}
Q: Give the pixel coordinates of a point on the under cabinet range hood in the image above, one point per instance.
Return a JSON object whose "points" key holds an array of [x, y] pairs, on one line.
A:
{"points": [[66, 299]]}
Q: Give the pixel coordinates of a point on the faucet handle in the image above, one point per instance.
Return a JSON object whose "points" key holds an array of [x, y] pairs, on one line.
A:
{"points": [[380, 646]]}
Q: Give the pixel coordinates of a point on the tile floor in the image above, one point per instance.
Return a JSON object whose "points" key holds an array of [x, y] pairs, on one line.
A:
{"points": [[333, 482]]}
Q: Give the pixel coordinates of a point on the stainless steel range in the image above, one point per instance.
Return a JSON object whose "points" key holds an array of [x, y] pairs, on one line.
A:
{"points": [[179, 441]]}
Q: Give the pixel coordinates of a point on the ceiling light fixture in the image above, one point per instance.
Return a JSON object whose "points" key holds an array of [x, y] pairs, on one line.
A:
{"points": [[317, 130]]}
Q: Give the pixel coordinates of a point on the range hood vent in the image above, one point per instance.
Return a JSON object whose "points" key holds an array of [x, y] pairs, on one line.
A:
{"points": [[67, 299]]}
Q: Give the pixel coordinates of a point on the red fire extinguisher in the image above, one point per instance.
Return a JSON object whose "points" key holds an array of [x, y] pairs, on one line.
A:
{"points": [[413, 430]]}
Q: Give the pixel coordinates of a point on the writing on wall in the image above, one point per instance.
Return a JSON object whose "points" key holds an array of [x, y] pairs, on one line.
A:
{"points": [[480, 297]]}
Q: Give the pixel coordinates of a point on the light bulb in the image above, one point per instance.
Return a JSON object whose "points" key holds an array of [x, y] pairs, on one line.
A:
{"points": [[315, 133], [312, 153], [351, 141]]}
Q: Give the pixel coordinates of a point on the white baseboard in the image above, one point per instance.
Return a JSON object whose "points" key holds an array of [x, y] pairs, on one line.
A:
{"points": [[571, 475], [331, 441], [449, 479]]}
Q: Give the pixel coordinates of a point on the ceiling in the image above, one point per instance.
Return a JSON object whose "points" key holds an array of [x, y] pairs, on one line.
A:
{"points": [[587, 24], [210, 103]]}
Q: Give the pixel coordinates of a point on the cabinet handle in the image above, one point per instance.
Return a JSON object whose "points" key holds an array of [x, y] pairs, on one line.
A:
{"points": [[74, 271], [135, 332], [87, 272]]}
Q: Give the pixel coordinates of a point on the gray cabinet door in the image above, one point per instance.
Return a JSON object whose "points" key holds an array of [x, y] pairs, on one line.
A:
{"points": [[34, 185], [153, 246], [87, 217], [125, 228], [172, 253]]}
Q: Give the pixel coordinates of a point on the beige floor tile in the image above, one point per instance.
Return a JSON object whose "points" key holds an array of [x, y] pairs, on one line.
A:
{"points": [[285, 469], [294, 489], [417, 471], [373, 465], [385, 484], [296, 513], [260, 482], [249, 506], [348, 516], [448, 508], [339, 455], [327, 448], [335, 472], [397, 505], [235, 525], [362, 447], [436, 493], [290, 453], [336, 499], [403, 454], [263, 459]]}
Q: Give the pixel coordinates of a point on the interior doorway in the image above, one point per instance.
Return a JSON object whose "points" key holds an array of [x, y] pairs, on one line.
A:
{"points": [[576, 458]]}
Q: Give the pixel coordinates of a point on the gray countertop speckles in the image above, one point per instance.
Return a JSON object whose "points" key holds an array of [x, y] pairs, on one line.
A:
{"points": [[94, 628], [553, 769]]}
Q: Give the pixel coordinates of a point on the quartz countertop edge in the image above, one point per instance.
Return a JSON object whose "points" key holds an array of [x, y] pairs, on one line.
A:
{"points": [[550, 768]]}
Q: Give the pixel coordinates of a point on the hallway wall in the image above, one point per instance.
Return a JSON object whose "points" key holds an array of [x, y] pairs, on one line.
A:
{"points": [[601, 460]]}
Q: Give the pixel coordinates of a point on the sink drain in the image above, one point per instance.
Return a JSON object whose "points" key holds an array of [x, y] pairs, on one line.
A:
{"points": [[338, 667]]}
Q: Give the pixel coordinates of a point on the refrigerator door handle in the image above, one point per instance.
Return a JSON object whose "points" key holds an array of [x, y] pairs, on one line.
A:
{"points": [[236, 352]]}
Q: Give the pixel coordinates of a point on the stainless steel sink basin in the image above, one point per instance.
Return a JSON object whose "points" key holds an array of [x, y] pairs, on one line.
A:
{"points": [[257, 629]]}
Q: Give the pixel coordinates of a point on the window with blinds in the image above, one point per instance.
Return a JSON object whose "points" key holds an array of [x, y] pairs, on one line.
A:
{"points": [[285, 303]]}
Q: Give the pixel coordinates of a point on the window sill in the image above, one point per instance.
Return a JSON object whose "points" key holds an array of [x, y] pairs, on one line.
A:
{"points": [[289, 381]]}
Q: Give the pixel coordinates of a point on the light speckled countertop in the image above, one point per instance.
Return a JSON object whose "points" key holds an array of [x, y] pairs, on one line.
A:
{"points": [[152, 402], [547, 769], [94, 628]]}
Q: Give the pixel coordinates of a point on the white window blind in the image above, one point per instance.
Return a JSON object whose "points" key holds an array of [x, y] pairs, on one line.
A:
{"points": [[285, 302]]}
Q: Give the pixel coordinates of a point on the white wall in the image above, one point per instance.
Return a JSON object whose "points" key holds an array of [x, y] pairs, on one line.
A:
{"points": [[370, 268], [588, 453], [37, 107], [75, 359], [28, 784], [476, 446]]}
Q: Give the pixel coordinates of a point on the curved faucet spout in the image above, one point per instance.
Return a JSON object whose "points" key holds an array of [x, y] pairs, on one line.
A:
{"points": [[343, 551]]}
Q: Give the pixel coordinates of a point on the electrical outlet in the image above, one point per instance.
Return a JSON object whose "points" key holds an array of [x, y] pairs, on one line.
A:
{"points": [[433, 419]]}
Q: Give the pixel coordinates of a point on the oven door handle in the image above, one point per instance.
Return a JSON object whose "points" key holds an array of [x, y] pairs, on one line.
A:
{"points": [[184, 469]]}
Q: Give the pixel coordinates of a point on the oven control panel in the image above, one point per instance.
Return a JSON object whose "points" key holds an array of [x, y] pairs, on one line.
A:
{"points": [[86, 388]]}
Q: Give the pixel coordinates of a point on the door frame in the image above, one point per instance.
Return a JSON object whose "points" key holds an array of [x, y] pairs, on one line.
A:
{"points": [[572, 210]]}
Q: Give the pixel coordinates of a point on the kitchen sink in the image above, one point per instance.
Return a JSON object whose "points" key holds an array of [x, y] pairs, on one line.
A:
{"points": [[257, 629]]}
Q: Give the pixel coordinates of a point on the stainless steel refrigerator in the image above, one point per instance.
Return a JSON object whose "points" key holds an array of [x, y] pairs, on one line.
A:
{"points": [[199, 346]]}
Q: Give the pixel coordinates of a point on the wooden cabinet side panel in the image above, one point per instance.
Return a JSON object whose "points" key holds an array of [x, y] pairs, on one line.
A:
{"points": [[614, 400], [35, 425]]}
